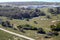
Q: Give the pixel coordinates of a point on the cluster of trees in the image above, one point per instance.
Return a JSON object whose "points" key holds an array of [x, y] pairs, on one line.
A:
{"points": [[19, 13], [55, 10]]}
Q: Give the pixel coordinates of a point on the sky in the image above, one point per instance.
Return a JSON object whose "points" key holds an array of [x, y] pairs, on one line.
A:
{"points": [[29, 0]]}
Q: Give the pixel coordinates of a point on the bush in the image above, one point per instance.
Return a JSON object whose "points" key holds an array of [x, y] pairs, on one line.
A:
{"points": [[27, 19], [7, 24], [14, 28], [47, 37], [34, 28], [41, 31], [55, 27], [53, 33], [48, 16], [20, 28], [26, 27], [35, 22]]}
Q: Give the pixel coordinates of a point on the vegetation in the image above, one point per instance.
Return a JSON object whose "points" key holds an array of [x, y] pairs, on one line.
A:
{"points": [[26, 27], [56, 27], [41, 31], [19, 13], [48, 16], [7, 36], [54, 11], [7, 24], [33, 21]]}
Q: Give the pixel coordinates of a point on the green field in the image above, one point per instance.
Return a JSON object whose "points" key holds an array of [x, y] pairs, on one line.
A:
{"points": [[7, 36]]}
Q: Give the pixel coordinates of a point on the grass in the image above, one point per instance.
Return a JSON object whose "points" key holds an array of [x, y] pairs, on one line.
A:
{"points": [[7, 36], [33, 34]]}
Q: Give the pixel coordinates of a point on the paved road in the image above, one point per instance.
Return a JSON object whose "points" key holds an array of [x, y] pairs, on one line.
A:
{"points": [[16, 34]]}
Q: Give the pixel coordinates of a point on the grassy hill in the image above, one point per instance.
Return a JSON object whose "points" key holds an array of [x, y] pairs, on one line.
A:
{"points": [[38, 22]]}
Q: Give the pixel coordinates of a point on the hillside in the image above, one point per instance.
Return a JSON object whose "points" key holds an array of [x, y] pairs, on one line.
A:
{"points": [[31, 3], [41, 23]]}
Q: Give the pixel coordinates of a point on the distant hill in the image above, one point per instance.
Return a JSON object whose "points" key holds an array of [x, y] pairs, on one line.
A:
{"points": [[31, 3]]}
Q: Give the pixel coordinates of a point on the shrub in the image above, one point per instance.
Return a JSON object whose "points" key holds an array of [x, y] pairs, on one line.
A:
{"points": [[27, 19], [26, 27], [48, 16], [41, 31], [55, 27], [52, 33], [7, 24], [35, 22], [47, 37]]}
